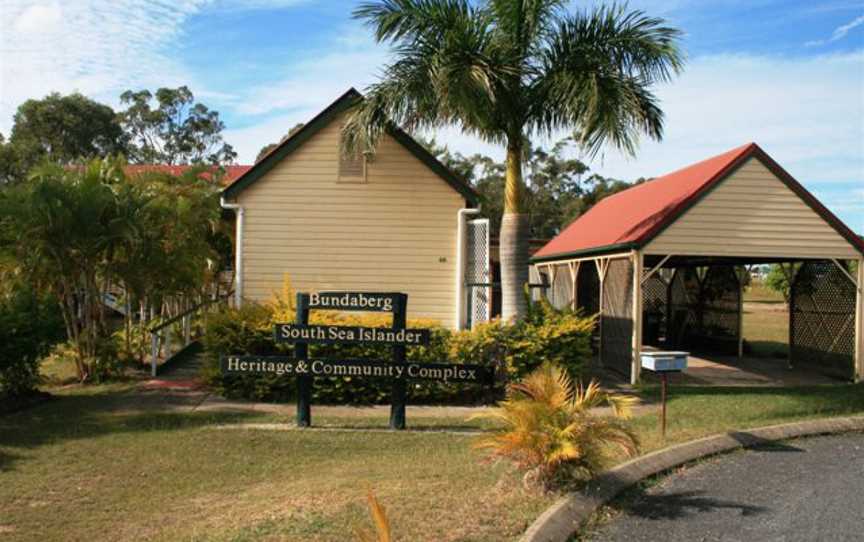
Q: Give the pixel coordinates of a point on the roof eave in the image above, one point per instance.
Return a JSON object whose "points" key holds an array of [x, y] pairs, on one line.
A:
{"points": [[587, 252], [322, 119]]}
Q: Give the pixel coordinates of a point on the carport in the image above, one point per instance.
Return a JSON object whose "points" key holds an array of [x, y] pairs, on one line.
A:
{"points": [[662, 263]]}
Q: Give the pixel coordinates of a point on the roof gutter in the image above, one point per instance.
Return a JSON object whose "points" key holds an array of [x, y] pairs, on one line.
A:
{"points": [[593, 251], [238, 249]]}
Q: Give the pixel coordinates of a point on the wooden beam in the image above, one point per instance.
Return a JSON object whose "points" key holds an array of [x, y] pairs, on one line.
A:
{"points": [[856, 283], [655, 268], [859, 324], [636, 347]]}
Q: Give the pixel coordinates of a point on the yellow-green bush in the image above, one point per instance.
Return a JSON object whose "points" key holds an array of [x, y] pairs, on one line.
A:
{"points": [[513, 350]]}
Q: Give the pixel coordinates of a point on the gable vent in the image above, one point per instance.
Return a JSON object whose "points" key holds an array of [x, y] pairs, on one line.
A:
{"points": [[351, 165]]}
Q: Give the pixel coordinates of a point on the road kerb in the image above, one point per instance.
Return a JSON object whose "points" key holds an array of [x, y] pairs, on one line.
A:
{"points": [[564, 518]]}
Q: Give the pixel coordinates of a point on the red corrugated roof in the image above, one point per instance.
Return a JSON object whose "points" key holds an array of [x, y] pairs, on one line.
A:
{"points": [[631, 218], [232, 173]]}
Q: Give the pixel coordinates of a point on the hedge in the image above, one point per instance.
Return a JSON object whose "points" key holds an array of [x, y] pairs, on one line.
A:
{"points": [[512, 349]]}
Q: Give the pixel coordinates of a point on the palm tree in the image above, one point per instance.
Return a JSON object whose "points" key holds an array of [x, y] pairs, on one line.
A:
{"points": [[505, 70]]}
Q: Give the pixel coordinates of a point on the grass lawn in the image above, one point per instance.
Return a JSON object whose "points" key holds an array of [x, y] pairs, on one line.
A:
{"points": [[83, 468], [766, 322], [78, 469]]}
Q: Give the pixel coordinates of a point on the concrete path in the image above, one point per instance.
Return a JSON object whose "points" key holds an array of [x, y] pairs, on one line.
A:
{"points": [[802, 490]]}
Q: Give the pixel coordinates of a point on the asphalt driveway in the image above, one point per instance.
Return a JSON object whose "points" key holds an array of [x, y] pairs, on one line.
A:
{"points": [[805, 490]]}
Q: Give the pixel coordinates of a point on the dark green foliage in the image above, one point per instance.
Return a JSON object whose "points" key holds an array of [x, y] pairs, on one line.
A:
{"points": [[178, 130], [60, 129], [546, 334], [29, 325], [558, 188]]}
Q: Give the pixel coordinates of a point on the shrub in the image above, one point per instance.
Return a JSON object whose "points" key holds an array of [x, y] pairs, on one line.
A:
{"points": [[563, 337], [29, 326], [549, 430]]}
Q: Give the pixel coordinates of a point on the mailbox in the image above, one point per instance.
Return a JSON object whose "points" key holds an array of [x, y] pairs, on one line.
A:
{"points": [[664, 362]]}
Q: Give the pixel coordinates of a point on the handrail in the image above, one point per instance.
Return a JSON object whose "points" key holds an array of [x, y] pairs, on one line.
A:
{"points": [[158, 327], [155, 329]]}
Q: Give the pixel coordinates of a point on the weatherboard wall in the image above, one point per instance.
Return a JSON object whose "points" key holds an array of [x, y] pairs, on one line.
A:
{"points": [[752, 214], [395, 232]]}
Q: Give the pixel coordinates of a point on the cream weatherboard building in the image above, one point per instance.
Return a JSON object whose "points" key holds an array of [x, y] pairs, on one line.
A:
{"points": [[396, 221]]}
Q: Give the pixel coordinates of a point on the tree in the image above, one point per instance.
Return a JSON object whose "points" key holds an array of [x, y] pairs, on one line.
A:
{"points": [[61, 229], [75, 232], [178, 130], [556, 188], [267, 149], [60, 129], [505, 70], [10, 169]]}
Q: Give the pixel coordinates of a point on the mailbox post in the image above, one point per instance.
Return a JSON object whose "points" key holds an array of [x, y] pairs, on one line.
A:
{"points": [[664, 363]]}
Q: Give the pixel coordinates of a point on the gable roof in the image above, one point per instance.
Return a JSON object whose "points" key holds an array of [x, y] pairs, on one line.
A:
{"points": [[231, 173], [631, 218], [322, 119]]}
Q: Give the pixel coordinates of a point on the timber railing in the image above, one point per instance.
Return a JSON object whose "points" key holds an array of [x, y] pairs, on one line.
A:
{"points": [[164, 337]]}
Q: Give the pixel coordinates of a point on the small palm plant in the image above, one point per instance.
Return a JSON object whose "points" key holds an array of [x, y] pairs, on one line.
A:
{"points": [[549, 429], [381, 521]]}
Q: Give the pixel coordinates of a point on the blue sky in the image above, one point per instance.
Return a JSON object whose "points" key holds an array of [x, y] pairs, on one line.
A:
{"points": [[788, 75]]}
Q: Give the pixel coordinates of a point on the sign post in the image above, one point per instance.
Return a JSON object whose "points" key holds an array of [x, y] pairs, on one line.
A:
{"points": [[399, 393], [398, 336], [664, 363], [301, 354]]}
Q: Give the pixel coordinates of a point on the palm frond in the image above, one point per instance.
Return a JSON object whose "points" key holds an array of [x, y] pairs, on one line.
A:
{"points": [[547, 424], [596, 72]]}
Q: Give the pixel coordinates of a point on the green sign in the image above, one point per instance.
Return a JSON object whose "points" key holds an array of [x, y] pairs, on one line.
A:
{"points": [[398, 337], [327, 334], [286, 365]]}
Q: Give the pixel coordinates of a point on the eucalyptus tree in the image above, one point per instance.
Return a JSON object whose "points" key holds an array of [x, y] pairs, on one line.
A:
{"points": [[509, 70]]}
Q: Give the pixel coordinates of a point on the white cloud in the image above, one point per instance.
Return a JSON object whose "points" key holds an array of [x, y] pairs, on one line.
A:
{"points": [[96, 47], [38, 19], [307, 86], [839, 33], [318, 77], [808, 113]]}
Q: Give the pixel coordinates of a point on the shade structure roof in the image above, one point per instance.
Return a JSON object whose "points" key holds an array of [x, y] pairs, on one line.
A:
{"points": [[632, 218]]}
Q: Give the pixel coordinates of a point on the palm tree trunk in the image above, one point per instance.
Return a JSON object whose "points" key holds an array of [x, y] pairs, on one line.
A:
{"points": [[514, 238]]}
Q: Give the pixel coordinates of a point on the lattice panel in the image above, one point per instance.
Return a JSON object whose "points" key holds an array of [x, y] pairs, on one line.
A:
{"points": [[478, 276], [822, 319], [720, 305], [684, 293], [560, 295], [617, 320], [703, 315], [654, 310]]}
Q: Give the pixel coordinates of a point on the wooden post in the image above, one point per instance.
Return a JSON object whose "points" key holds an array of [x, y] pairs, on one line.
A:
{"points": [[636, 345], [574, 273], [859, 323], [399, 389], [790, 304], [601, 274], [740, 273], [301, 354], [663, 383]]}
